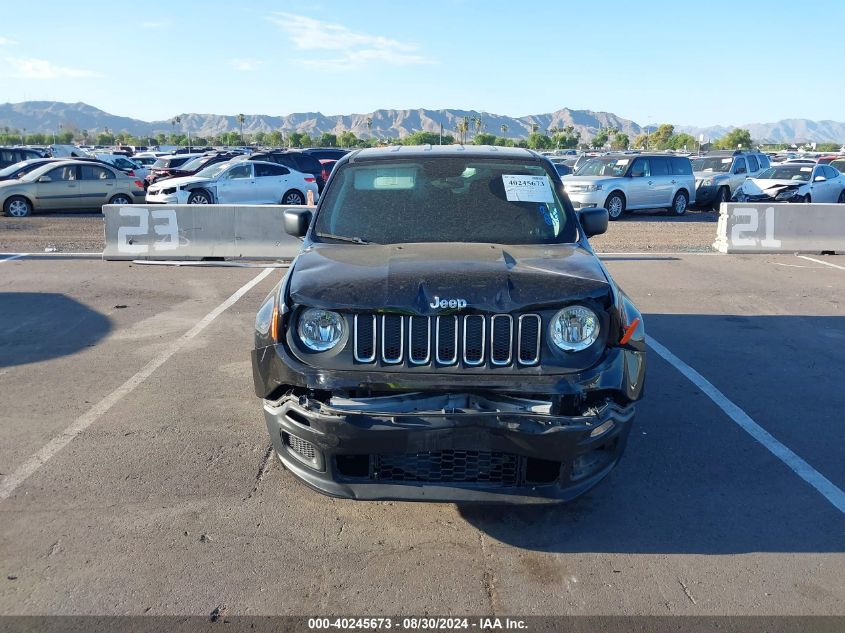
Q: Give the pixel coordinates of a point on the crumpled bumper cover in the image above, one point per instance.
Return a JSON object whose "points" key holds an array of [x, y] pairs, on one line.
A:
{"points": [[545, 457]]}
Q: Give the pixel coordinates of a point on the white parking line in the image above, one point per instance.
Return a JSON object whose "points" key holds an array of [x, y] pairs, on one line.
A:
{"points": [[801, 468], [16, 256], [819, 261], [11, 481]]}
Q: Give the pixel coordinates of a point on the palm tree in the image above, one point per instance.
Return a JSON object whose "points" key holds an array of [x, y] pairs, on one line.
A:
{"points": [[369, 126], [535, 127], [241, 119], [173, 123], [504, 128], [479, 125]]}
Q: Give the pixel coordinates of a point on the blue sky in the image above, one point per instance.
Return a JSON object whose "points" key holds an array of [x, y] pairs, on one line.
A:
{"points": [[692, 63]]}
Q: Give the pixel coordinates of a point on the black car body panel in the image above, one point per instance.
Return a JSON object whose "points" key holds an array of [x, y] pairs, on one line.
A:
{"points": [[549, 427]]}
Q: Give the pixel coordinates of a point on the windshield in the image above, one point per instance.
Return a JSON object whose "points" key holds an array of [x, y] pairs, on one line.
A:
{"points": [[212, 171], [838, 164], [24, 165], [612, 167], [713, 164], [445, 200], [786, 172], [194, 164]]}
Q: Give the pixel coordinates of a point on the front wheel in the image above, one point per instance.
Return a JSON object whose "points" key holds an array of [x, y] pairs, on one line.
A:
{"points": [[17, 207], [841, 199], [615, 206], [806, 199], [679, 204], [723, 195], [293, 197], [120, 199], [199, 197]]}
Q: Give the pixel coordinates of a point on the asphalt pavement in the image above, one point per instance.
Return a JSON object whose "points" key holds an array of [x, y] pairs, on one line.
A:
{"points": [[136, 477]]}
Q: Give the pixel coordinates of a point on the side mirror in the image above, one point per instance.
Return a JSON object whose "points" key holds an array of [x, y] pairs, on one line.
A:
{"points": [[819, 179], [297, 221], [593, 220], [45, 179]]}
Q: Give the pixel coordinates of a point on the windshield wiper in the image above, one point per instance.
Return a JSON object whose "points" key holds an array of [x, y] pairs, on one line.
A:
{"points": [[342, 238]]}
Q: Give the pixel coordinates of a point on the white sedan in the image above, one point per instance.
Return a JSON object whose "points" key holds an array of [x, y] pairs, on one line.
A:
{"points": [[242, 182], [794, 182]]}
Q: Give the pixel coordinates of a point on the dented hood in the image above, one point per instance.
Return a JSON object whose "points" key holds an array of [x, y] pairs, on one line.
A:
{"points": [[408, 277]]}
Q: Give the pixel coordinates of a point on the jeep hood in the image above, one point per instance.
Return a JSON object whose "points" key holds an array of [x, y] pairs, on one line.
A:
{"points": [[408, 277]]}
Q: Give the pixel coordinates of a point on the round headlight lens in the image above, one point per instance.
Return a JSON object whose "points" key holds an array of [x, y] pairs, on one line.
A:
{"points": [[575, 328], [320, 330]]}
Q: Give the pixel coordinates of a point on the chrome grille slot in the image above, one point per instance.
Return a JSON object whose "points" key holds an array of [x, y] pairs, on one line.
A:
{"points": [[365, 338], [501, 337], [446, 340], [419, 340], [392, 338], [474, 339], [528, 342]]}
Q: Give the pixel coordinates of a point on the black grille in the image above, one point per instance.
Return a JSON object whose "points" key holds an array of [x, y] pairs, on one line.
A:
{"points": [[502, 335], [419, 340], [392, 338], [529, 339], [450, 466], [447, 340], [474, 339], [365, 337]]}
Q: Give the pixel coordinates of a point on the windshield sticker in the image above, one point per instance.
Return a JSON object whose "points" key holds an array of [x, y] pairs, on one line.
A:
{"points": [[623, 161], [725, 161], [806, 169], [521, 188], [550, 216]]}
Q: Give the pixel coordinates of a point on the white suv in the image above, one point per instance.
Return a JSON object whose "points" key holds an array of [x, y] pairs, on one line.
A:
{"points": [[719, 174], [624, 182]]}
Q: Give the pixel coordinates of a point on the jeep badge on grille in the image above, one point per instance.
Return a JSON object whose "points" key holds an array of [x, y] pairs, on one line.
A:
{"points": [[448, 303]]}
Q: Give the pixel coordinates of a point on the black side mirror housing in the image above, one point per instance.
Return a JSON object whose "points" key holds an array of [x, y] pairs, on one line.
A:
{"points": [[593, 220], [297, 221]]}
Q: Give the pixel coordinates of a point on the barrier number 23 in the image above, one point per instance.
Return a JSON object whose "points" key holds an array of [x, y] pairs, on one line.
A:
{"points": [[164, 224], [743, 233]]}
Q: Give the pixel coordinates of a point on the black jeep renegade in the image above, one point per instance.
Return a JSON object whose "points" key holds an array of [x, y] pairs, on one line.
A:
{"points": [[447, 333]]}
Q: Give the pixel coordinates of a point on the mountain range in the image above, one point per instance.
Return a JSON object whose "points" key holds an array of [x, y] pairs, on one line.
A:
{"points": [[47, 116]]}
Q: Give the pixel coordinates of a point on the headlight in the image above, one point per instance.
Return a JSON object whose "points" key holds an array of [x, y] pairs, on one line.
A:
{"points": [[787, 195], [320, 330], [575, 328], [707, 182], [587, 188]]}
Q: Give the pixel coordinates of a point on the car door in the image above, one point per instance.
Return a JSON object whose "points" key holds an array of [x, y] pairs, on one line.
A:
{"points": [[236, 185], [271, 182], [96, 185], [59, 189], [638, 190], [837, 183], [739, 172], [829, 186], [662, 187]]}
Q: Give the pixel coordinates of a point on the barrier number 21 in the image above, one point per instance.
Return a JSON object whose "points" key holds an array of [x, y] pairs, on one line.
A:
{"points": [[164, 224], [743, 233]]}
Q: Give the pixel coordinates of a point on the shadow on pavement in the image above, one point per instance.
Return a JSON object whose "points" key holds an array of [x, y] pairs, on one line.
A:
{"points": [[37, 326], [691, 480]]}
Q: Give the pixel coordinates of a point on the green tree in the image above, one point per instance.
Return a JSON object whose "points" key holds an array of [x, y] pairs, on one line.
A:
{"points": [[103, 138], [327, 139], [479, 125], [299, 139], [620, 141], [734, 139], [600, 139], [535, 127], [640, 141], [347, 139], [241, 118], [828, 147], [504, 128], [427, 138], [662, 137], [504, 142], [539, 141], [484, 138], [682, 141]]}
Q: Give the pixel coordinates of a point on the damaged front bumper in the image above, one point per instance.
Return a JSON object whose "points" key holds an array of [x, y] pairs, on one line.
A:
{"points": [[446, 447]]}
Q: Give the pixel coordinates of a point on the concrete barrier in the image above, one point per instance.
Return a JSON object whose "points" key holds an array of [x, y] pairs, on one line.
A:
{"points": [[196, 232], [755, 227]]}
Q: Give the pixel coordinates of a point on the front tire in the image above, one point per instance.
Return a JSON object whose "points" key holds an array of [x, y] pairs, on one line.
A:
{"points": [[680, 203], [120, 199], [615, 205], [841, 199], [723, 195], [201, 196], [293, 197], [17, 207], [806, 199]]}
